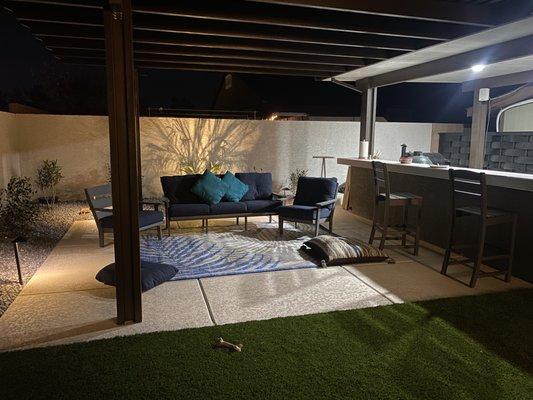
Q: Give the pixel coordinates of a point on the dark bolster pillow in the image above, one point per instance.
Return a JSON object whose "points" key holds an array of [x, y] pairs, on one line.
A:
{"points": [[152, 274], [332, 250]]}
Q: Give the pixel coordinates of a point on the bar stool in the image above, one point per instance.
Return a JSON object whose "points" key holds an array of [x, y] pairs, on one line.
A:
{"points": [[469, 198], [389, 199]]}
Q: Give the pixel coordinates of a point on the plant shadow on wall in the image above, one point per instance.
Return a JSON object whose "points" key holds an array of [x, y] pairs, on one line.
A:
{"points": [[190, 146]]}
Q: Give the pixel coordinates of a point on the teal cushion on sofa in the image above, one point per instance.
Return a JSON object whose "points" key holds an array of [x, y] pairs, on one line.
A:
{"points": [[236, 189], [210, 188]]}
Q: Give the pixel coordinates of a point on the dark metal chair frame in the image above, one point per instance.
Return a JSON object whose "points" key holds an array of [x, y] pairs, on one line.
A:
{"points": [[383, 195], [469, 198], [100, 202]]}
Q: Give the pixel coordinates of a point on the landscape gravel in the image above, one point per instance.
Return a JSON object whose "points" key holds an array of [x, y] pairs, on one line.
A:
{"points": [[50, 226]]}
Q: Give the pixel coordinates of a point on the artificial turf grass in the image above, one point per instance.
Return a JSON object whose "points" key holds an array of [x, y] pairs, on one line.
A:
{"points": [[472, 347]]}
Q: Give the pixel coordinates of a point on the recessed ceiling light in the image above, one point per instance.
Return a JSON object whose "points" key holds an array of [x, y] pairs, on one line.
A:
{"points": [[478, 67]]}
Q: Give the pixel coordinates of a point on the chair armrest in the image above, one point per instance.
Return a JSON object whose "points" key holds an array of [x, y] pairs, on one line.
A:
{"points": [[326, 203], [104, 209], [152, 202]]}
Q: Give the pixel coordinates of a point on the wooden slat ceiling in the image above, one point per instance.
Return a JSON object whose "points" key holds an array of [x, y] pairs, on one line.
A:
{"points": [[285, 37]]}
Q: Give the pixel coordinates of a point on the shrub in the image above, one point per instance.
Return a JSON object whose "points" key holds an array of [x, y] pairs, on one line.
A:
{"points": [[17, 208], [48, 176], [293, 178]]}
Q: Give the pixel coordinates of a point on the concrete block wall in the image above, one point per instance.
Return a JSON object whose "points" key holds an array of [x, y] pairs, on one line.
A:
{"points": [[455, 147], [505, 151]]}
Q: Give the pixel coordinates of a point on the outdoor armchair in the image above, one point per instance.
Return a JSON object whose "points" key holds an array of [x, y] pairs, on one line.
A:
{"points": [[314, 203], [101, 205]]}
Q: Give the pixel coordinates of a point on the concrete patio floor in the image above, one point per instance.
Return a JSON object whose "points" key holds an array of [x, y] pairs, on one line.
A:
{"points": [[63, 303]]}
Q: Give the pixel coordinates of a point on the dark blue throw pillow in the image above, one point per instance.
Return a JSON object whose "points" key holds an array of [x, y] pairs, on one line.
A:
{"points": [[236, 189], [210, 188], [152, 274]]}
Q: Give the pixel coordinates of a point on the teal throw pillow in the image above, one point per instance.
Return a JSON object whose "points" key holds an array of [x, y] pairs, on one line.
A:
{"points": [[210, 188], [236, 188]]}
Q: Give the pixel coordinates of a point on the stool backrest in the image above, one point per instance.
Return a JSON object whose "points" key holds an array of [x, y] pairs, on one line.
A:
{"points": [[381, 179], [468, 188]]}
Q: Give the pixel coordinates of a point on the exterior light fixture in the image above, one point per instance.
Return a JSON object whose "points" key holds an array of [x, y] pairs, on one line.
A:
{"points": [[478, 67]]}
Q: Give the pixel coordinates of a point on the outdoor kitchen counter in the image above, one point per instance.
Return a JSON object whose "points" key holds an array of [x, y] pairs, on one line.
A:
{"points": [[507, 191], [511, 180]]}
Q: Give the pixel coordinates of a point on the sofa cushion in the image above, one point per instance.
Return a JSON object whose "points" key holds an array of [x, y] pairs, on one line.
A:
{"points": [[178, 188], [256, 206], [146, 217], [210, 188], [152, 274], [227, 207], [259, 185], [314, 190], [332, 250], [188, 210], [236, 188], [302, 212]]}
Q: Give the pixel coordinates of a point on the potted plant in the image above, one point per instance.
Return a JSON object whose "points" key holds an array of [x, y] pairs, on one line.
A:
{"points": [[17, 213], [48, 177]]}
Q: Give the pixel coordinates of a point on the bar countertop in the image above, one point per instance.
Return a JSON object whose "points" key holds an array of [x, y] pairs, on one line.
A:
{"points": [[511, 180]]}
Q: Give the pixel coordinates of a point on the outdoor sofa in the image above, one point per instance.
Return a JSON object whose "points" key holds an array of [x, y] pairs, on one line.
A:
{"points": [[183, 205]]}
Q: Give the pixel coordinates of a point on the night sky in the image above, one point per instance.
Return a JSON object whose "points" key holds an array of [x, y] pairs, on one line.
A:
{"points": [[30, 74]]}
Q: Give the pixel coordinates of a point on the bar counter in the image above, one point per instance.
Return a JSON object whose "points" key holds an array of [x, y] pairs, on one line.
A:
{"points": [[507, 191]]}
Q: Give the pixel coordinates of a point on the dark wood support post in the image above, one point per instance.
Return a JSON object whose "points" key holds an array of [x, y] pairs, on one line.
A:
{"points": [[479, 132], [368, 117], [138, 134], [124, 158]]}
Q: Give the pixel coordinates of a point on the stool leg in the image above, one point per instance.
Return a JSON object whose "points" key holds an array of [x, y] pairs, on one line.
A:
{"points": [[479, 255], [511, 251], [448, 251], [270, 219], [405, 215], [317, 226], [280, 225], [245, 223], [374, 222], [417, 234], [385, 228], [237, 220]]}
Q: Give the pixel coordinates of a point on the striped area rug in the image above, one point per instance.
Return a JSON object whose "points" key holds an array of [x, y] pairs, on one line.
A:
{"points": [[201, 255]]}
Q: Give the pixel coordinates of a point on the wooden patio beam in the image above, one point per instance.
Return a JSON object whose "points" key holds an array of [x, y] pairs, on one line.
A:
{"points": [[124, 158], [212, 68], [194, 59], [297, 17], [184, 61], [93, 48], [236, 30], [428, 10], [254, 13], [244, 45]]}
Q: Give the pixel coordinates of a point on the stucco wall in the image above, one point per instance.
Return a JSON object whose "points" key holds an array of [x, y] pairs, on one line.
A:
{"points": [[171, 145], [9, 158]]}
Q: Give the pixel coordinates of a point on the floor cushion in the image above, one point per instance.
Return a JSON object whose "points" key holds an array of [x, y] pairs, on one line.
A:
{"points": [[335, 250], [236, 189], [210, 188], [262, 205], [152, 274]]}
